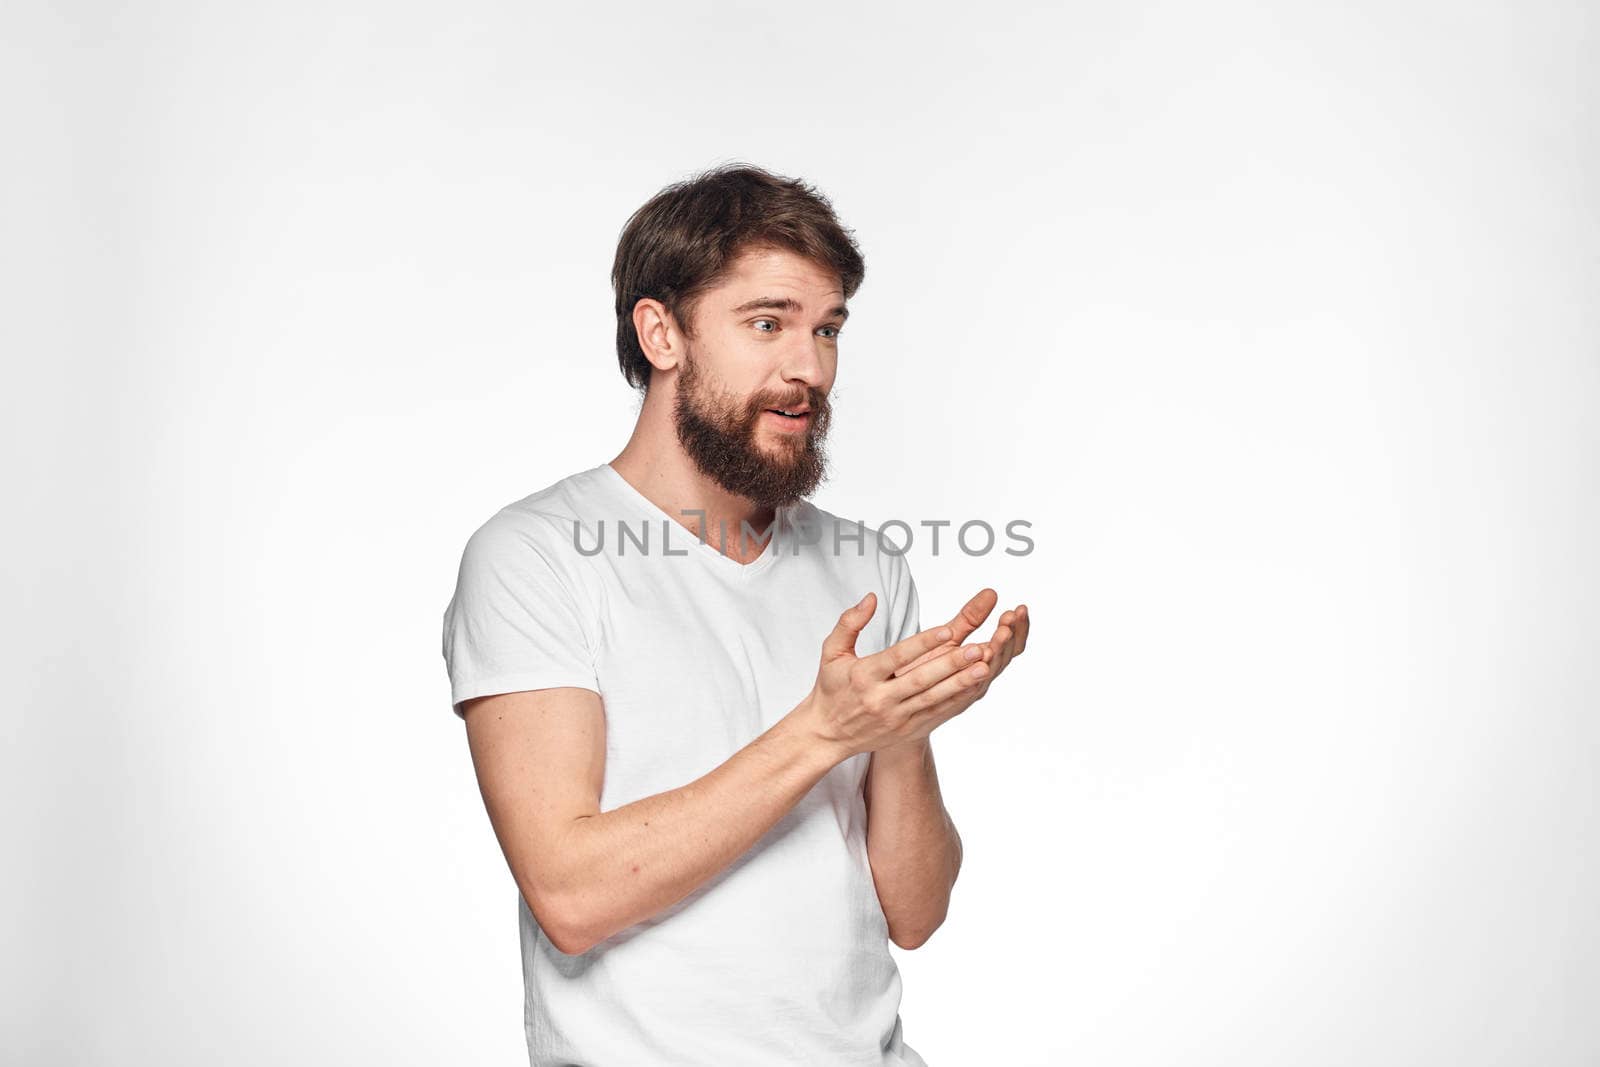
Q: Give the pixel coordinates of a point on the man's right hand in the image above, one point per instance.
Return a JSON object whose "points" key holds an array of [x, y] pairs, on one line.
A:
{"points": [[859, 704]]}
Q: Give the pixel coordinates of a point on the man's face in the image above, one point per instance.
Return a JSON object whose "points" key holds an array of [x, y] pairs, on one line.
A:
{"points": [[766, 340]]}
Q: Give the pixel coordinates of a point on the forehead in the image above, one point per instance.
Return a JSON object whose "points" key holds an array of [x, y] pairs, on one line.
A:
{"points": [[774, 270]]}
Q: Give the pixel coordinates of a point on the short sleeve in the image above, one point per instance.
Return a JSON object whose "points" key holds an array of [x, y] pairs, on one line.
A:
{"points": [[904, 614], [514, 622]]}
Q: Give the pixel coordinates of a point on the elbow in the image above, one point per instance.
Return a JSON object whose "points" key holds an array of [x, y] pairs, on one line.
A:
{"points": [[911, 936], [561, 923], [569, 945], [915, 937], [571, 939], [909, 941]]}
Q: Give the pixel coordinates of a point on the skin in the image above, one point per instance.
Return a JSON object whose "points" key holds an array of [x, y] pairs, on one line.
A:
{"points": [[540, 755], [778, 356]]}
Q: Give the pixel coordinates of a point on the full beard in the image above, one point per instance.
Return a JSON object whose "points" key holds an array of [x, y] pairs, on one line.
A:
{"points": [[719, 434]]}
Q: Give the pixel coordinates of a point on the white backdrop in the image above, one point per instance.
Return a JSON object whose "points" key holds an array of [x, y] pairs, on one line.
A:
{"points": [[1278, 322]]}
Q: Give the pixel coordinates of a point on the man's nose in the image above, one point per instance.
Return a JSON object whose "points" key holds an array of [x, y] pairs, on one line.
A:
{"points": [[802, 362]]}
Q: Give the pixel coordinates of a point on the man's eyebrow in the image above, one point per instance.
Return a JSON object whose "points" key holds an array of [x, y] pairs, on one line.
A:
{"points": [[784, 303]]}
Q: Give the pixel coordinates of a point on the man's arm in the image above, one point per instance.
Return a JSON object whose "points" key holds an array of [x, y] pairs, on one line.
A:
{"points": [[586, 874], [912, 844]]}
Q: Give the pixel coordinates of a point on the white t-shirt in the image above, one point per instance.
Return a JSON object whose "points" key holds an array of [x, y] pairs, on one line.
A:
{"points": [[782, 957]]}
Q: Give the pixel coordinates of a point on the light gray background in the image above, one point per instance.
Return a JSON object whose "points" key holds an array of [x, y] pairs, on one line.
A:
{"points": [[1277, 321]]}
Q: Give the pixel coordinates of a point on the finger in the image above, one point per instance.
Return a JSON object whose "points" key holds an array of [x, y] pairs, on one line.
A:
{"points": [[1007, 640], [973, 612], [1006, 636], [999, 647], [1002, 658], [902, 653], [925, 657], [933, 672], [1022, 629], [968, 619], [1004, 631], [997, 654], [954, 705], [841, 641], [964, 681]]}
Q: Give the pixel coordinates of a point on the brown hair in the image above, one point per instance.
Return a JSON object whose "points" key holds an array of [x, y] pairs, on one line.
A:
{"points": [[683, 240]]}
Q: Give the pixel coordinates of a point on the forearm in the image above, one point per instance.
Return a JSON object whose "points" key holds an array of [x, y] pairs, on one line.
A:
{"points": [[912, 843], [625, 865]]}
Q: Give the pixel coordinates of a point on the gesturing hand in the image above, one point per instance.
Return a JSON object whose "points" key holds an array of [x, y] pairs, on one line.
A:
{"points": [[1009, 640], [899, 694]]}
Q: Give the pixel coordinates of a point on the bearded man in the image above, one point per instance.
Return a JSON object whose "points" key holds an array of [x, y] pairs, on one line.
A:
{"points": [[715, 833]]}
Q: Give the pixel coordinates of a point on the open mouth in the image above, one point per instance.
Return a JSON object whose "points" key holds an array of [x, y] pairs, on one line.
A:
{"points": [[790, 420]]}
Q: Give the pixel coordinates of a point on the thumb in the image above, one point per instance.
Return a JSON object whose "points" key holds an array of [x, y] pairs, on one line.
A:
{"points": [[842, 640]]}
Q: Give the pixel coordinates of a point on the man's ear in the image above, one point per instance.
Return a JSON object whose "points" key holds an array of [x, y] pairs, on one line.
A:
{"points": [[660, 337]]}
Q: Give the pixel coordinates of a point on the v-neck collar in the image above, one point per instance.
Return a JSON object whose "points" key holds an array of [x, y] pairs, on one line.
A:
{"points": [[651, 509]]}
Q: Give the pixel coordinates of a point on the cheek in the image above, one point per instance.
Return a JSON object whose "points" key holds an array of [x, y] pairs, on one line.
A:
{"points": [[738, 366], [727, 374]]}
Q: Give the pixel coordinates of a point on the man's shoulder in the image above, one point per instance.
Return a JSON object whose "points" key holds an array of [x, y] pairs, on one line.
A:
{"points": [[543, 520]]}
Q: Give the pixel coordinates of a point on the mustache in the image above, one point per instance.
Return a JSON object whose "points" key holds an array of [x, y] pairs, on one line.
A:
{"points": [[816, 400]]}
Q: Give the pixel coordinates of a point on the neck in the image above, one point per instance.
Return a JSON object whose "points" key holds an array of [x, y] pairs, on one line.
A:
{"points": [[654, 462]]}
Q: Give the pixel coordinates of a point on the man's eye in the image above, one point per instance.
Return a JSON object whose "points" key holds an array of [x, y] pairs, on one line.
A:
{"points": [[834, 334], [760, 321]]}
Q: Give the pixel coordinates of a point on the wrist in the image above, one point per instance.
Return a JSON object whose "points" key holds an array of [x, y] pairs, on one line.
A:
{"points": [[909, 752], [804, 723]]}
